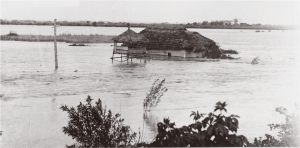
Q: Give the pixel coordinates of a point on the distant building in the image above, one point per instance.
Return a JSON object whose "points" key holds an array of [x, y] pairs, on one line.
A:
{"points": [[235, 21]]}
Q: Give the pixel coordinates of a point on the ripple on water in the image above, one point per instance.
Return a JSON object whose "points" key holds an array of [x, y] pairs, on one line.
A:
{"points": [[252, 91]]}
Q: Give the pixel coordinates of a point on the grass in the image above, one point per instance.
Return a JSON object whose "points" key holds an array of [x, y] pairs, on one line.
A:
{"points": [[156, 92], [93, 38]]}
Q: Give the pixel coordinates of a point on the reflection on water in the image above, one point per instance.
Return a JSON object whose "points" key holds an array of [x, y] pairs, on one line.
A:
{"points": [[150, 120], [32, 92]]}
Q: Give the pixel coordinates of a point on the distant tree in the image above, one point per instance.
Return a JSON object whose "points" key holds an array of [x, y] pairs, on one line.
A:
{"points": [[95, 126], [11, 33], [205, 23], [244, 24], [235, 21], [94, 23]]}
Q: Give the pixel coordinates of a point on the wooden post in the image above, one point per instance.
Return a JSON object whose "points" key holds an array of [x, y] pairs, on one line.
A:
{"points": [[121, 57], [115, 48], [55, 46]]}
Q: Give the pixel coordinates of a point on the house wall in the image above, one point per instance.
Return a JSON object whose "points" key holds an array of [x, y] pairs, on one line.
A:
{"points": [[137, 50], [176, 53]]}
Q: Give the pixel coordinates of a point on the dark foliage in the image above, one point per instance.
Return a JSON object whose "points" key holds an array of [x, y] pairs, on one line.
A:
{"points": [[268, 141], [204, 24], [229, 51], [213, 129], [12, 34], [95, 126]]}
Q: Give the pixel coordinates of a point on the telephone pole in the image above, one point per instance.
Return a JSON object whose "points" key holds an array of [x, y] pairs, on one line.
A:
{"points": [[55, 46]]}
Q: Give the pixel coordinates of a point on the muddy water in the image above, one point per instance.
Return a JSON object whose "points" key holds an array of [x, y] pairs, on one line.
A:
{"points": [[31, 92]]}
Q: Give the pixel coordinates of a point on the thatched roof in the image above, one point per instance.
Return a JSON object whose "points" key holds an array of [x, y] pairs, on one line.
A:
{"points": [[129, 36], [178, 38]]}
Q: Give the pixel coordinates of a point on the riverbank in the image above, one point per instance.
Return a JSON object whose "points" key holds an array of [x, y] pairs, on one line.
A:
{"points": [[60, 38]]}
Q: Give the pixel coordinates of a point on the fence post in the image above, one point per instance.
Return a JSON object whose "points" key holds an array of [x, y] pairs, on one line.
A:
{"points": [[55, 46]]}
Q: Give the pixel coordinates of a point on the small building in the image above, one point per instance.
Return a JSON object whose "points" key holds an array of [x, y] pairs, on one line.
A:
{"points": [[177, 41], [130, 44], [165, 40]]}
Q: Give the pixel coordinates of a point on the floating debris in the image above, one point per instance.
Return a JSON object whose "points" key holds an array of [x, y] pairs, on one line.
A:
{"points": [[255, 60], [78, 44]]}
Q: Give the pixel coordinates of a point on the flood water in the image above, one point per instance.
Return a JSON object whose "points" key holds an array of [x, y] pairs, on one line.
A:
{"points": [[31, 92]]}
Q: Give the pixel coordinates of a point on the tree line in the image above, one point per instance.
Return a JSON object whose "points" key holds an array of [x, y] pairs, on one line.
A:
{"points": [[222, 24]]}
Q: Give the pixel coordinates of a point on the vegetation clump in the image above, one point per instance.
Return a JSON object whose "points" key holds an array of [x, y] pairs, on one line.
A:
{"points": [[156, 92], [69, 38], [12, 34], [95, 126], [288, 132], [229, 51], [212, 129], [78, 44]]}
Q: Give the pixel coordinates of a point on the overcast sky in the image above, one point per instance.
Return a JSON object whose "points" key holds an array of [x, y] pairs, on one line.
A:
{"points": [[265, 12]]}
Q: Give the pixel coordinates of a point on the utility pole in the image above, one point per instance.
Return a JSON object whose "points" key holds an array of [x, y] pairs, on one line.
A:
{"points": [[55, 46]]}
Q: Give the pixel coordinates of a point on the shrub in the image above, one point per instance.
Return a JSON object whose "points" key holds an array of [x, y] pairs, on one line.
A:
{"points": [[229, 51], [12, 34], [288, 132], [95, 126], [213, 129]]}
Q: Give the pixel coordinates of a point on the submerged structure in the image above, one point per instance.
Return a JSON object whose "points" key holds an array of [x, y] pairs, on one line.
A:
{"points": [[167, 40], [129, 45], [176, 40]]}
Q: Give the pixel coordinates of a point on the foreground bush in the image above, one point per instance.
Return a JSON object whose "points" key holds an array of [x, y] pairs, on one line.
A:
{"points": [[212, 129], [94, 126], [288, 132]]}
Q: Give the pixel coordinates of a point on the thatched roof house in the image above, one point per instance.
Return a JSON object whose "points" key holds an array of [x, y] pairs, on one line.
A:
{"points": [[167, 40], [176, 40], [132, 44], [130, 38]]}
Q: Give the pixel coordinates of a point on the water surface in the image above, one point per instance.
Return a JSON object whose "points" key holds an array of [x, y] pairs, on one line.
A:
{"points": [[32, 92]]}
